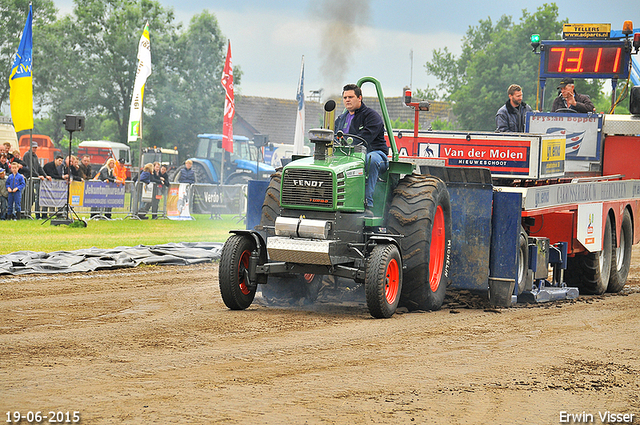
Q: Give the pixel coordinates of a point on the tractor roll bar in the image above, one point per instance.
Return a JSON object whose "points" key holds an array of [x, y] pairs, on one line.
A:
{"points": [[385, 114]]}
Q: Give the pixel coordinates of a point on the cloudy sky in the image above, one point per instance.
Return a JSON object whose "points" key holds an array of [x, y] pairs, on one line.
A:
{"points": [[344, 40]]}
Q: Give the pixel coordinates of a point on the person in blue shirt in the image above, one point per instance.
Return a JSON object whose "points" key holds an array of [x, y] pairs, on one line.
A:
{"points": [[15, 186], [360, 120], [187, 175]]}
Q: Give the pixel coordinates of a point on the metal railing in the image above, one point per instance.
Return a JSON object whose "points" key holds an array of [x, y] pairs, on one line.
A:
{"points": [[139, 203]]}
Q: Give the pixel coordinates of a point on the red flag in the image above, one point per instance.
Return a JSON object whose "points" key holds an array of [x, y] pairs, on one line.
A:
{"points": [[229, 104]]}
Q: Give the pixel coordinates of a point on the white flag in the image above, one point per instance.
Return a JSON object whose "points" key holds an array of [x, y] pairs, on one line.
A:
{"points": [[143, 71], [298, 140]]}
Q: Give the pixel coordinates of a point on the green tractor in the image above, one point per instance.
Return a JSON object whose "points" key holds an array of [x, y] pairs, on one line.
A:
{"points": [[314, 224]]}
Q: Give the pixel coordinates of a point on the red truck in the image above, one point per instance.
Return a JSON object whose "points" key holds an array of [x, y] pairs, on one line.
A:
{"points": [[46, 149]]}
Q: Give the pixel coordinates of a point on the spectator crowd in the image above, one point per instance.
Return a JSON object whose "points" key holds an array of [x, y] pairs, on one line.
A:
{"points": [[17, 171]]}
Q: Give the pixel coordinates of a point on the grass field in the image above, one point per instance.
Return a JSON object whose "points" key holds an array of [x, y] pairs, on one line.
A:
{"points": [[33, 235]]}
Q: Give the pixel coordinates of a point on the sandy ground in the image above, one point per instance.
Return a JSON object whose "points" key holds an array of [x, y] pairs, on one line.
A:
{"points": [[157, 345]]}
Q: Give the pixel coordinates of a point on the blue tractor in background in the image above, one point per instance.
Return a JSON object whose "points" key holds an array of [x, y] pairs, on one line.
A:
{"points": [[244, 164]]}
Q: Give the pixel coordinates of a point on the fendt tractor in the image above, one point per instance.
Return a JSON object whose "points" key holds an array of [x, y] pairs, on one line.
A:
{"points": [[521, 217]]}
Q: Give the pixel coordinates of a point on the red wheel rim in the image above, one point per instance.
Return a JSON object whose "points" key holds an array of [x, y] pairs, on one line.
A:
{"points": [[392, 281], [436, 251], [242, 266]]}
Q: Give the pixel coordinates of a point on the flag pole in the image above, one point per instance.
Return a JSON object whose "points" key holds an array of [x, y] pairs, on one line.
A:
{"points": [[298, 138]]}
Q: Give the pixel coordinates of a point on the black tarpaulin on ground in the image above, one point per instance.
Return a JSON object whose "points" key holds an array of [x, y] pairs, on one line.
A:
{"points": [[83, 260]]}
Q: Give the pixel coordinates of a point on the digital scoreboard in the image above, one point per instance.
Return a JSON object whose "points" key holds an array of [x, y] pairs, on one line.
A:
{"points": [[585, 59]]}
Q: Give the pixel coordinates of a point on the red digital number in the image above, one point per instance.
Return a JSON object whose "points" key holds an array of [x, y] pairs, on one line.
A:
{"points": [[575, 59], [597, 68], [584, 60]]}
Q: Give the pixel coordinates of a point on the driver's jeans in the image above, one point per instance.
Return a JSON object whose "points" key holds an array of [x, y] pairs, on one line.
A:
{"points": [[377, 163]]}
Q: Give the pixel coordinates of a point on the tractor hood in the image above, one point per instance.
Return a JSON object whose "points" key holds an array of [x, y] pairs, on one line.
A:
{"points": [[314, 184], [245, 164]]}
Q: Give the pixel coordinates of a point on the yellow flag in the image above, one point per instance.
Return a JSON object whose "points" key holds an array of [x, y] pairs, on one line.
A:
{"points": [[21, 83]]}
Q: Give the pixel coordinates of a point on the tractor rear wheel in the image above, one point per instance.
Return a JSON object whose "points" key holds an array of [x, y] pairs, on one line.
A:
{"points": [[239, 178], [271, 204], [233, 273], [201, 174], [292, 288], [590, 272], [383, 281], [421, 211], [621, 255]]}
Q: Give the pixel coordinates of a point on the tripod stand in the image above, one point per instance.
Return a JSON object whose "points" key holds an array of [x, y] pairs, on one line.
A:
{"points": [[72, 123]]}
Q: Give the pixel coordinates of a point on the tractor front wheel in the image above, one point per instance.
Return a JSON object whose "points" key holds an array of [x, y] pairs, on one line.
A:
{"points": [[383, 281], [233, 274]]}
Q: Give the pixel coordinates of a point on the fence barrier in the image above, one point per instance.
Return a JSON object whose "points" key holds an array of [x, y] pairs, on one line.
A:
{"points": [[135, 200]]}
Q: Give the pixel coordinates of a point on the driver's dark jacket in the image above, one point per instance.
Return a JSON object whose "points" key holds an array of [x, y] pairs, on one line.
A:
{"points": [[583, 103], [367, 124]]}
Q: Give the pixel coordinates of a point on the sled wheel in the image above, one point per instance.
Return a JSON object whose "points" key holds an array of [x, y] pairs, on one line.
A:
{"points": [[420, 211], [590, 272], [233, 273], [523, 260], [621, 255], [383, 281]]}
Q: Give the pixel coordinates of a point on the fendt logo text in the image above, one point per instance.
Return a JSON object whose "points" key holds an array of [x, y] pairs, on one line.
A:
{"points": [[307, 183]]}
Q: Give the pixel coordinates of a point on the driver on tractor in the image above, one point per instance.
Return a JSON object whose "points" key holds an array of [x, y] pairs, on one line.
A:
{"points": [[362, 121], [569, 99]]}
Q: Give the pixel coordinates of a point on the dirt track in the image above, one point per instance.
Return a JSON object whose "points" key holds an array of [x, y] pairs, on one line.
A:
{"points": [[157, 345]]}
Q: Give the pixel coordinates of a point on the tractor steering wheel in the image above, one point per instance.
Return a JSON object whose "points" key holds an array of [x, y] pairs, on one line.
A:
{"points": [[342, 137], [566, 110]]}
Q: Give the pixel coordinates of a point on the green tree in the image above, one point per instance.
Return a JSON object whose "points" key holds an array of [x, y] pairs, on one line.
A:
{"points": [[105, 33], [399, 124], [429, 93], [13, 15], [443, 125], [55, 94], [91, 59], [493, 57], [188, 96]]}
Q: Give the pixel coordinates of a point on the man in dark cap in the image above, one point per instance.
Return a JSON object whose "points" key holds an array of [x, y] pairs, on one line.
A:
{"points": [[120, 171], [569, 99]]}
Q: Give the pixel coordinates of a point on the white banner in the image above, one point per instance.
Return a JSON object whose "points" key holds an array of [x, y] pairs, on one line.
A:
{"points": [[142, 73]]}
